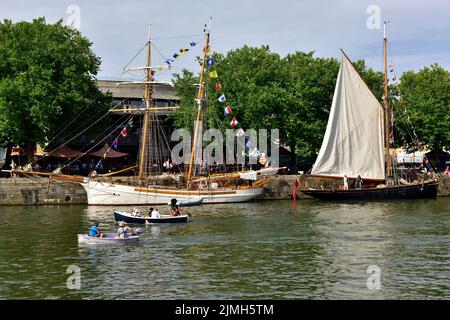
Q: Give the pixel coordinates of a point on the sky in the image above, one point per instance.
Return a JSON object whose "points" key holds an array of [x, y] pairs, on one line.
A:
{"points": [[418, 31]]}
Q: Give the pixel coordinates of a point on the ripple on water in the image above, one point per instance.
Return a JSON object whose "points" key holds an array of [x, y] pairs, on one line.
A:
{"points": [[261, 250]]}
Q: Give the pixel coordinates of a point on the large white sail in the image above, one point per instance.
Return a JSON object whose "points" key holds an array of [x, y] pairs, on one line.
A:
{"points": [[353, 142]]}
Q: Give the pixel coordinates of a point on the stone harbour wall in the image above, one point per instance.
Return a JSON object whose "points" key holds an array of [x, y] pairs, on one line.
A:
{"points": [[37, 190]]}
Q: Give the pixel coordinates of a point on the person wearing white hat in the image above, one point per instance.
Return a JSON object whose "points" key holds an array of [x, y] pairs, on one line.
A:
{"points": [[123, 230]]}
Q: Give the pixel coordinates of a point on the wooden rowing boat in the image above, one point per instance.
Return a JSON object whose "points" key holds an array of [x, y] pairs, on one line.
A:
{"points": [[129, 218], [107, 238]]}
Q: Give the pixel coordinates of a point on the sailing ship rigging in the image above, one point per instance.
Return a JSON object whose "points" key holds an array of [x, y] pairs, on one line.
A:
{"points": [[353, 144], [151, 187]]}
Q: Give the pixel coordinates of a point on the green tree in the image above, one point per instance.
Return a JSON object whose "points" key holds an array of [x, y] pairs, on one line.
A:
{"points": [[426, 96], [47, 77], [292, 94]]}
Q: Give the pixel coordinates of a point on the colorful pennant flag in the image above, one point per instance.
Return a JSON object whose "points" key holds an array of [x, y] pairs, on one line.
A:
{"points": [[169, 61], [210, 62], [124, 132], [227, 110], [255, 152], [213, 74], [218, 86], [233, 122], [183, 50], [222, 98], [294, 191], [193, 44], [176, 55], [240, 133], [115, 144]]}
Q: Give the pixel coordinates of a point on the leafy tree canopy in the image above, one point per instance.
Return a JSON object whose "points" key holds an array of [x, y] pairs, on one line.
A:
{"points": [[291, 93], [425, 98], [47, 77]]}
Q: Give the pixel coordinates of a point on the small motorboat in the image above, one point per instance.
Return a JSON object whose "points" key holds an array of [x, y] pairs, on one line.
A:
{"points": [[186, 203], [130, 218], [107, 238]]}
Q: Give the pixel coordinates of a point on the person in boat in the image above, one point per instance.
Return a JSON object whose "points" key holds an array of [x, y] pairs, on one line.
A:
{"points": [[154, 214], [94, 232], [123, 230], [358, 182], [136, 212], [345, 182], [175, 211]]}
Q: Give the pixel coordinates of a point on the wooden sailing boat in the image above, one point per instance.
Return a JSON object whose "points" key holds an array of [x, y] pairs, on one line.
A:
{"points": [[353, 143], [222, 190]]}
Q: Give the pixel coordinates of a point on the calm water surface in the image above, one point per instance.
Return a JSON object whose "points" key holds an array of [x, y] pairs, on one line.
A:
{"points": [[255, 250]]}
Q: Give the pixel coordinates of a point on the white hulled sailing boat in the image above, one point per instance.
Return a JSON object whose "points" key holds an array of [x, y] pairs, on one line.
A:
{"points": [[218, 188], [356, 143]]}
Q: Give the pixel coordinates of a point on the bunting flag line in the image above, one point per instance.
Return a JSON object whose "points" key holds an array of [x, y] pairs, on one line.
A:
{"points": [[124, 132], [213, 74], [227, 110], [178, 54], [222, 98]]}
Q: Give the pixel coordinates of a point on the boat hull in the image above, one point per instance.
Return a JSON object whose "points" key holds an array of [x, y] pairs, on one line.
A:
{"points": [[188, 203], [109, 238], [426, 190], [120, 216], [102, 193]]}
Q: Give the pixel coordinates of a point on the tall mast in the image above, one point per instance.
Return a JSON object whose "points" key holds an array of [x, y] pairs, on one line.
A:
{"points": [[386, 106], [200, 101], [147, 101]]}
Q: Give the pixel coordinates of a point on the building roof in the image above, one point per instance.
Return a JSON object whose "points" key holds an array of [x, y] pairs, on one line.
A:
{"points": [[161, 91], [64, 152], [109, 154]]}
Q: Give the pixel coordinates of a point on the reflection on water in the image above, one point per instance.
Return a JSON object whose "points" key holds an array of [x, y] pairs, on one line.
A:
{"points": [[256, 250]]}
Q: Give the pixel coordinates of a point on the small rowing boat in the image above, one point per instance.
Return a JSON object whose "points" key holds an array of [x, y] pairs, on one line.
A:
{"points": [[107, 238], [129, 218]]}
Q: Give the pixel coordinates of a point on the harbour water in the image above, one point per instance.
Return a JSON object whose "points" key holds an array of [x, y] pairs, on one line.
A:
{"points": [[258, 250]]}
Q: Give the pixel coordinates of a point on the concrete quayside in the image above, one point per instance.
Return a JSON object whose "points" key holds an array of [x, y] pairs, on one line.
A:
{"points": [[39, 191]]}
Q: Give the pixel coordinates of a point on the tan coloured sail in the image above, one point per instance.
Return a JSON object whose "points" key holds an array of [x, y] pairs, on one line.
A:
{"points": [[353, 142]]}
